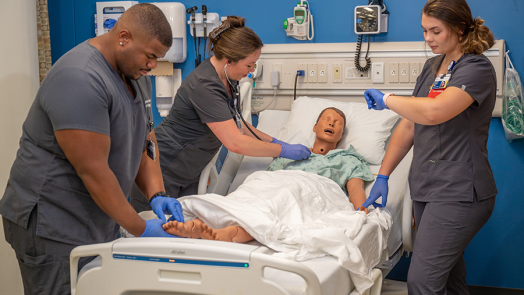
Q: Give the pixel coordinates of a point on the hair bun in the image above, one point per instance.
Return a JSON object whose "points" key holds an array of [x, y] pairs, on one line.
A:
{"points": [[477, 23], [236, 21]]}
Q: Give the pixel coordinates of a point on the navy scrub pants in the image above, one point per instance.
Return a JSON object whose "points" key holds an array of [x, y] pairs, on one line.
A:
{"points": [[444, 231], [44, 263]]}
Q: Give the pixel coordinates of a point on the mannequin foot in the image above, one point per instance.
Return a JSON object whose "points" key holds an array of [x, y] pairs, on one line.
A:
{"points": [[189, 229], [226, 234]]}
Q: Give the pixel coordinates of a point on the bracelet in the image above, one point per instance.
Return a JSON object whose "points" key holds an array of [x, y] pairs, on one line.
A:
{"points": [[162, 193], [385, 98]]}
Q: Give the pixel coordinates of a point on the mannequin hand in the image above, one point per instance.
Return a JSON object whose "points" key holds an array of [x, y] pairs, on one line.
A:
{"points": [[154, 229], [166, 205], [380, 188], [374, 98], [278, 141], [294, 151]]}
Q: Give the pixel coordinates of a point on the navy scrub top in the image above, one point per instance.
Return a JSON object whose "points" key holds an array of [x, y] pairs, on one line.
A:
{"points": [[450, 160]]}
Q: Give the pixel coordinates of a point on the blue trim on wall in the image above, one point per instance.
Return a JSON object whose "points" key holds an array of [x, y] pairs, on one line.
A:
{"points": [[493, 258]]}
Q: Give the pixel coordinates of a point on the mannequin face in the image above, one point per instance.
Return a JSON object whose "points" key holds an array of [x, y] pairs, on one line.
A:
{"points": [[330, 127], [438, 36], [240, 69]]}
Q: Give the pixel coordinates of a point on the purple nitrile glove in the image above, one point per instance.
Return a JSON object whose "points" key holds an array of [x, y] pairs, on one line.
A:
{"points": [[278, 141], [380, 188], [154, 229], [165, 205], [375, 100], [294, 151]]}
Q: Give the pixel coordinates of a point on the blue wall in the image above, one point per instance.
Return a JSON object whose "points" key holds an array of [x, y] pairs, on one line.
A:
{"points": [[494, 258]]}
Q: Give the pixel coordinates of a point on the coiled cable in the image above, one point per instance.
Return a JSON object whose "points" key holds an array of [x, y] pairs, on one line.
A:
{"points": [[357, 56]]}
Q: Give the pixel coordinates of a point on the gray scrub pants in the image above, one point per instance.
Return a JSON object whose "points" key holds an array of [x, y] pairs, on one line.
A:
{"points": [[444, 231], [44, 263]]}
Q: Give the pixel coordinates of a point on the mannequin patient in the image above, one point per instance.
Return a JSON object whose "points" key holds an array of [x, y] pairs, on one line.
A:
{"points": [[346, 167]]}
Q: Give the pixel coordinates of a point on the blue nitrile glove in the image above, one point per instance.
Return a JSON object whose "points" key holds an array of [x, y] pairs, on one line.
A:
{"points": [[374, 98], [294, 151], [380, 188], [165, 205], [154, 229], [278, 141]]}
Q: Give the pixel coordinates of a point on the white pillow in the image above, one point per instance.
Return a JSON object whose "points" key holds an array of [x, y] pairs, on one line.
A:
{"points": [[367, 130]]}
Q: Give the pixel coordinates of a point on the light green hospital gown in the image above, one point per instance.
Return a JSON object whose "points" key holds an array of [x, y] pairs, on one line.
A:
{"points": [[337, 165]]}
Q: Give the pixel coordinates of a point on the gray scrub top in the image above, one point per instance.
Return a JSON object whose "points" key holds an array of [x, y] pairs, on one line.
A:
{"points": [[81, 91], [185, 142], [450, 160]]}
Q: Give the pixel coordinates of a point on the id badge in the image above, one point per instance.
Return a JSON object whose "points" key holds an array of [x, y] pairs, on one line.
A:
{"points": [[440, 84], [150, 149], [239, 122]]}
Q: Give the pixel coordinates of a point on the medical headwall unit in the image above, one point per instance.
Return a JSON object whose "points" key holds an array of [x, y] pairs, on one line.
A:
{"points": [[330, 71]]}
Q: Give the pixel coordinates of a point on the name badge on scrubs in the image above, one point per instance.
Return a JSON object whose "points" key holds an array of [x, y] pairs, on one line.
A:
{"points": [[150, 149], [441, 82]]}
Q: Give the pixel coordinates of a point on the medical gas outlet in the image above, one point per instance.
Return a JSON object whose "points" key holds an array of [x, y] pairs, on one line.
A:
{"points": [[301, 23]]}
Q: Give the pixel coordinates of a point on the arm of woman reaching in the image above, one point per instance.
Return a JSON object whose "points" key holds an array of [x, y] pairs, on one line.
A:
{"points": [[228, 133], [423, 110], [399, 145]]}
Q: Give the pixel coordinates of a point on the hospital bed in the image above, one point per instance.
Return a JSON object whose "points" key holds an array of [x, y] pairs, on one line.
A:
{"points": [[183, 266]]}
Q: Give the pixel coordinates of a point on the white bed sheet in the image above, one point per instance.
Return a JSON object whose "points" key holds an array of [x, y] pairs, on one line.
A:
{"points": [[271, 121], [334, 280]]}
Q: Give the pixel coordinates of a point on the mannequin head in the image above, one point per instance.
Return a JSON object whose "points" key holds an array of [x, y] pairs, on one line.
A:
{"points": [[329, 130]]}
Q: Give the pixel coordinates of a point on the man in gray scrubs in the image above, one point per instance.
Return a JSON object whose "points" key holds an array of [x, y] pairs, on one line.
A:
{"points": [[86, 139]]}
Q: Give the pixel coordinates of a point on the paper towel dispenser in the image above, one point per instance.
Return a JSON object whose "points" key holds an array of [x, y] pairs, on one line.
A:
{"points": [[175, 13]]}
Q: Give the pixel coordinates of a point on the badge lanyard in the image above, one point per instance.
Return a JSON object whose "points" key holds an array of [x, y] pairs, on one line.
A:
{"points": [[441, 82], [150, 145]]}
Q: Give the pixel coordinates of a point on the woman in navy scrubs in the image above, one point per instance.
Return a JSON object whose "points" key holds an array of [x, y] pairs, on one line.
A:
{"points": [[447, 122]]}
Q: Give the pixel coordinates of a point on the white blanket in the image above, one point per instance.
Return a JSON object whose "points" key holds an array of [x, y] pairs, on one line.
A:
{"points": [[301, 215]]}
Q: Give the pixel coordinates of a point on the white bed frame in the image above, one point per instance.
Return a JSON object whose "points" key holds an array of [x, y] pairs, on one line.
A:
{"points": [[166, 266]]}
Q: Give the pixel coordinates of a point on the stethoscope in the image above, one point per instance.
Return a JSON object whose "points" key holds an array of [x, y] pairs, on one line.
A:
{"points": [[237, 103]]}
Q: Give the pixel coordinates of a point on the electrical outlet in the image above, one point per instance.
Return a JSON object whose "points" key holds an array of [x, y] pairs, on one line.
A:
{"points": [[403, 68], [393, 72], [322, 73], [312, 75], [414, 71]]}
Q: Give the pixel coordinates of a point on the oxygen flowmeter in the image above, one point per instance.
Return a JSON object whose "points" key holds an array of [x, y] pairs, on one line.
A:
{"points": [[299, 25]]}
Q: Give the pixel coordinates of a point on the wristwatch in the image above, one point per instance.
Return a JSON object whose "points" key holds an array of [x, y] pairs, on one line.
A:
{"points": [[162, 193]]}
